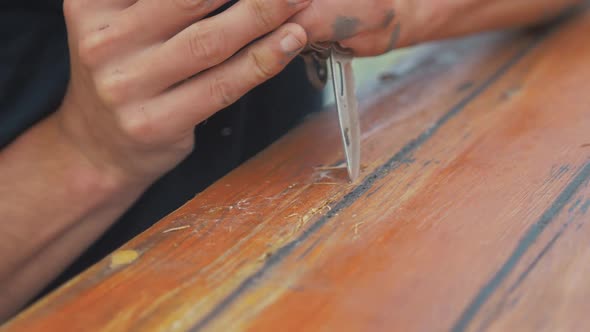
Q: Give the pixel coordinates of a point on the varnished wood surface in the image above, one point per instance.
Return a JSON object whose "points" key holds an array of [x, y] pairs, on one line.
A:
{"points": [[471, 214]]}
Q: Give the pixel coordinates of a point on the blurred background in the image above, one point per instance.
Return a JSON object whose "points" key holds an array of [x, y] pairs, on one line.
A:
{"points": [[368, 72]]}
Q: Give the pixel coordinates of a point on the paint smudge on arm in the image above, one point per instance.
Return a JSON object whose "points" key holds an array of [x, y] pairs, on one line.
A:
{"points": [[345, 27]]}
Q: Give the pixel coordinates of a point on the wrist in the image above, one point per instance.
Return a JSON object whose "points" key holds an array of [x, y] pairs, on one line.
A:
{"points": [[125, 153], [81, 174], [95, 144], [59, 202], [45, 177]]}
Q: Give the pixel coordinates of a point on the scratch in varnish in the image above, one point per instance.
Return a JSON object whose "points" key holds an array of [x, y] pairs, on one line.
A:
{"points": [[356, 227], [174, 229], [329, 168], [302, 220]]}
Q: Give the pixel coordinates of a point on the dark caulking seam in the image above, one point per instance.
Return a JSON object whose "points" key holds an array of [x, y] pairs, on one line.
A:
{"points": [[364, 187], [523, 245], [522, 277], [545, 250]]}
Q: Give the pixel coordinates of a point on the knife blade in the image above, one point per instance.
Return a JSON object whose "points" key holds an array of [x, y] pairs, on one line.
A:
{"points": [[343, 80]]}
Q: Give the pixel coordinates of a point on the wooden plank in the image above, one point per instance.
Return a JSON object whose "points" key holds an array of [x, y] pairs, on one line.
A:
{"points": [[469, 214]]}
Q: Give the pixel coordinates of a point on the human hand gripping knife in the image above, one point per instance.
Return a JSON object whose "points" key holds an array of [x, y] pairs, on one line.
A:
{"points": [[317, 56]]}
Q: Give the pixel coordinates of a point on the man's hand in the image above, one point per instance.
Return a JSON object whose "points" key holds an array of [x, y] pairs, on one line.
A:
{"points": [[374, 27], [145, 72], [368, 27]]}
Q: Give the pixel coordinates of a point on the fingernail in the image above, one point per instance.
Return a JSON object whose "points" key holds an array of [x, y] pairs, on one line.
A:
{"points": [[290, 44]]}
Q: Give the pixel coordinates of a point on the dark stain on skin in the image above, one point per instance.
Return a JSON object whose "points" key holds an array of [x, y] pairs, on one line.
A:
{"points": [[394, 37], [344, 27], [389, 16], [103, 27]]}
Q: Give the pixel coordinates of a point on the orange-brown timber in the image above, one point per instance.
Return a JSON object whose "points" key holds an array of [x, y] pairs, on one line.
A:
{"points": [[471, 214]]}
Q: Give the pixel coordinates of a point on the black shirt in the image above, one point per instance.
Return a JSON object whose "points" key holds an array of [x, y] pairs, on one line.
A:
{"points": [[34, 71]]}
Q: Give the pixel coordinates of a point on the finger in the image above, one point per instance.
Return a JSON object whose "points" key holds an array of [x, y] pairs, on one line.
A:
{"points": [[372, 44], [208, 43], [337, 20], [141, 24], [156, 20], [90, 15], [181, 108]]}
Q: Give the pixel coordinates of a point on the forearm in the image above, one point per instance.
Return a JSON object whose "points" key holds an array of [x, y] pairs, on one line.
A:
{"points": [[428, 20], [127, 118], [54, 204]]}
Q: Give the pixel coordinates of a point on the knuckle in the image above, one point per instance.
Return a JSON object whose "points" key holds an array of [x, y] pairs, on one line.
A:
{"points": [[88, 49], [93, 46], [262, 11], [184, 146], [263, 69], [137, 127], [111, 90], [190, 5], [221, 91], [203, 46], [103, 41]]}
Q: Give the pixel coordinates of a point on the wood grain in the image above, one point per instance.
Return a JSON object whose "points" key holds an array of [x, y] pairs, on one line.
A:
{"points": [[470, 213]]}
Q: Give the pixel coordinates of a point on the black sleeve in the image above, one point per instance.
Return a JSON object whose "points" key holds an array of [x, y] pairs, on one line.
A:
{"points": [[34, 66]]}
